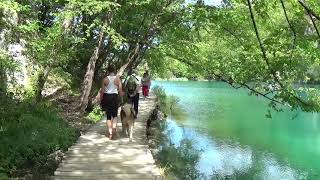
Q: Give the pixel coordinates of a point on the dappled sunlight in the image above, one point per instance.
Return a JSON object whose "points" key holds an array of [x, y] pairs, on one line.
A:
{"points": [[95, 156]]}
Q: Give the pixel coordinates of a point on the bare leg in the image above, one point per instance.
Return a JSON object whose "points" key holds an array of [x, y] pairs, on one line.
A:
{"points": [[114, 127], [114, 122], [109, 126]]}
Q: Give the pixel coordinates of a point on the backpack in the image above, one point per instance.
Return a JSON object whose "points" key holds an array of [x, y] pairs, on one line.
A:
{"points": [[131, 85]]}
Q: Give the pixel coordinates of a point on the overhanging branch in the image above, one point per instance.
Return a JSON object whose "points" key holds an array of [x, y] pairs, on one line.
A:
{"points": [[294, 34], [235, 84], [273, 73], [309, 10]]}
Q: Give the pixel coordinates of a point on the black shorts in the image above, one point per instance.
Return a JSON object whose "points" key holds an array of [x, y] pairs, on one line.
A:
{"points": [[110, 105]]}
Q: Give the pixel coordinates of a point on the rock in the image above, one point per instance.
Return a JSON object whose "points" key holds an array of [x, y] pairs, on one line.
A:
{"points": [[54, 159], [160, 115], [156, 151], [153, 145]]}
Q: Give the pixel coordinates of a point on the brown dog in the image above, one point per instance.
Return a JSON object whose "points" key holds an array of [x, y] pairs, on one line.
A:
{"points": [[127, 115]]}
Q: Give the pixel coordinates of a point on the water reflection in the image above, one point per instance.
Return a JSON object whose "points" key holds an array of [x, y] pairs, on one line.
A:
{"points": [[229, 159], [238, 140]]}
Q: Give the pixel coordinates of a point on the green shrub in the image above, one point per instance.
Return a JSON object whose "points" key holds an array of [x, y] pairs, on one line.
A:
{"points": [[160, 93], [168, 104], [95, 115], [29, 132]]}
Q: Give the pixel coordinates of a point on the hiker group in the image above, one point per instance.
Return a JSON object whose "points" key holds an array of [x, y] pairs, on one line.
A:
{"points": [[115, 92]]}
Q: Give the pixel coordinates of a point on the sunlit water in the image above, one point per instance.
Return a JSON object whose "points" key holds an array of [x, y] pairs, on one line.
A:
{"points": [[236, 137]]}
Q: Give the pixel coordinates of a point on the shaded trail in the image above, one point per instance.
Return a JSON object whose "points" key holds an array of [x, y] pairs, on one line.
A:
{"points": [[94, 156]]}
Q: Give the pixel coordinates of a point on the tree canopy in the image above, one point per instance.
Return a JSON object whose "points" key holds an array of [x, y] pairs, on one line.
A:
{"points": [[270, 47]]}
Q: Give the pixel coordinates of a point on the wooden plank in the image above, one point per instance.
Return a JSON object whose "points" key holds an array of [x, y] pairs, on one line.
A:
{"points": [[82, 173], [114, 160], [96, 157], [82, 165], [109, 169], [99, 178], [81, 152], [106, 175]]}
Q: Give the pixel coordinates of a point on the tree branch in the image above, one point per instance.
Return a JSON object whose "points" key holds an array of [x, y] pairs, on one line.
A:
{"points": [[308, 9], [314, 24], [233, 83], [292, 29], [273, 73], [247, 87], [130, 58]]}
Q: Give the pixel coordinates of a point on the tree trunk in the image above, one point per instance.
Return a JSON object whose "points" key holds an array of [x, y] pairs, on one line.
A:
{"points": [[101, 61], [3, 80], [88, 78], [41, 80], [132, 56]]}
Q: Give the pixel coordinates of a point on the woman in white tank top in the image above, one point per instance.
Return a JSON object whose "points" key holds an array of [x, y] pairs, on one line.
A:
{"points": [[111, 89]]}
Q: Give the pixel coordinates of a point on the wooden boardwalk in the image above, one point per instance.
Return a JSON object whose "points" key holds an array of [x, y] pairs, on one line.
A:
{"points": [[95, 157]]}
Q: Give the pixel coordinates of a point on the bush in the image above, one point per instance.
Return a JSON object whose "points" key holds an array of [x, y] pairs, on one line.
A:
{"points": [[95, 115], [169, 105], [29, 132]]}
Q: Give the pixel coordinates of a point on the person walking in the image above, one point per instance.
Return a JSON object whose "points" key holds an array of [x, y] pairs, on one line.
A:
{"points": [[146, 83], [132, 87], [110, 92]]}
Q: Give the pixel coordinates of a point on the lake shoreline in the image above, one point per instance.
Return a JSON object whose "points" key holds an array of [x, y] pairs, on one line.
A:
{"points": [[153, 133]]}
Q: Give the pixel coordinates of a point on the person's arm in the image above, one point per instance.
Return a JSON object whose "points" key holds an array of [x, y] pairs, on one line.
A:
{"points": [[105, 83], [119, 85]]}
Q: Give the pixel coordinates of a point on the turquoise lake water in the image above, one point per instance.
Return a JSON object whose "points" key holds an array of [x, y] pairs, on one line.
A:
{"points": [[236, 137]]}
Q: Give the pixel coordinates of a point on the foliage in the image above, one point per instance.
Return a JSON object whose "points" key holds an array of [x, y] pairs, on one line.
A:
{"points": [[222, 43], [177, 39], [176, 161], [164, 101], [7, 67], [96, 114], [29, 131], [180, 161], [168, 104], [7, 7], [266, 46]]}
